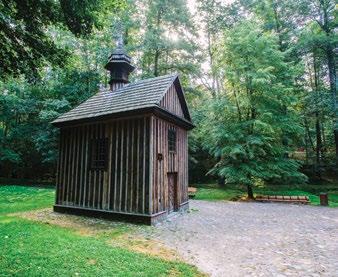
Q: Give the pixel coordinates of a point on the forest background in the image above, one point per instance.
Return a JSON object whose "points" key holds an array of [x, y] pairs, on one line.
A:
{"points": [[259, 78]]}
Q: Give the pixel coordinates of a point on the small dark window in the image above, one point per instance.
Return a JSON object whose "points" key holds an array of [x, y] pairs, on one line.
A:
{"points": [[98, 151], [172, 140]]}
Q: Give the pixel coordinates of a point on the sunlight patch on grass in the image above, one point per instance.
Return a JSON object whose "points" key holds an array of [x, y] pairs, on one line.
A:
{"points": [[17, 198], [35, 249], [44, 243]]}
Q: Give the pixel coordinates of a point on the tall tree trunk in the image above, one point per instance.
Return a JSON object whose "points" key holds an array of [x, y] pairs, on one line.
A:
{"points": [[333, 88], [250, 192], [306, 144], [318, 145], [326, 25], [157, 52], [318, 129], [156, 58]]}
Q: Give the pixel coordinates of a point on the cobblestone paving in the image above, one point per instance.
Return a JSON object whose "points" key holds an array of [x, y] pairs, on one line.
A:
{"points": [[255, 239]]}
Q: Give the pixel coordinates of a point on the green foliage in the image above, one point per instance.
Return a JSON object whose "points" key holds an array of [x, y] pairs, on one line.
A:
{"points": [[213, 192], [25, 47], [167, 43], [246, 125], [27, 139], [259, 77]]}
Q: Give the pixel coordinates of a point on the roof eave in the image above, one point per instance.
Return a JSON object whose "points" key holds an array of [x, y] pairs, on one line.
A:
{"points": [[155, 110]]}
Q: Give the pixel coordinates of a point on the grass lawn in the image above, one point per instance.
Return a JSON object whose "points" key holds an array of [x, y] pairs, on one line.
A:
{"points": [[18, 199], [214, 192], [30, 248]]}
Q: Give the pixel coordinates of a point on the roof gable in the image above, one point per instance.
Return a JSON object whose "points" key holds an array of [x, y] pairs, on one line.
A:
{"points": [[173, 100], [143, 94]]}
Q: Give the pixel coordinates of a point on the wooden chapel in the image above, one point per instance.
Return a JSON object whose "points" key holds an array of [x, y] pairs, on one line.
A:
{"points": [[123, 153]]}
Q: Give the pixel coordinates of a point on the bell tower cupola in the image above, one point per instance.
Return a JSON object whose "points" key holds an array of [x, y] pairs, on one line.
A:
{"points": [[119, 65]]}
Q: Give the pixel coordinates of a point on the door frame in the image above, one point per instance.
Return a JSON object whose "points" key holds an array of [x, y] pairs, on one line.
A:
{"points": [[175, 191]]}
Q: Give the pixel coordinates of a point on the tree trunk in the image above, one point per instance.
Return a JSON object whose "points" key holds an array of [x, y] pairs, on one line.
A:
{"points": [[156, 58], [318, 146], [336, 141], [221, 181], [333, 88], [326, 26], [250, 192]]}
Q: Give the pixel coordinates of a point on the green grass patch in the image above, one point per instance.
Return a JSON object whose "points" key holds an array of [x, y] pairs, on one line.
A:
{"points": [[17, 198], [312, 191], [213, 192], [34, 249], [31, 248]]}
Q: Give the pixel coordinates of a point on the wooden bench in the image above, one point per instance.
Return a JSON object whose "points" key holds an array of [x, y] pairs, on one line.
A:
{"points": [[283, 199], [192, 192]]}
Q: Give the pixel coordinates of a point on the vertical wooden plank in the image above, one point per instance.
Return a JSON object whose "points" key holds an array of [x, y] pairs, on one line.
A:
{"points": [[74, 155], [92, 172], [112, 166], [100, 171], [160, 163], [99, 174], [109, 165], [76, 164], [144, 166], [80, 168], [68, 165], [65, 166], [148, 181], [155, 198], [87, 160], [59, 170], [164, 162], [121, 166], [124, 165], [138, 165], [93, 181], [127, 158], [132, 165], [69, 161], [83, 165], [70, 173], [116, 163], [136, 170]]}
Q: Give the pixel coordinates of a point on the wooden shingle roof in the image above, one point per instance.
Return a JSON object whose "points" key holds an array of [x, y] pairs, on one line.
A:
{"points": [[132, 97]]}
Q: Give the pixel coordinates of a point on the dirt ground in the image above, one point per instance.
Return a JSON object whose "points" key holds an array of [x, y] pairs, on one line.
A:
{"points": [[227, 238], [254, 239]]}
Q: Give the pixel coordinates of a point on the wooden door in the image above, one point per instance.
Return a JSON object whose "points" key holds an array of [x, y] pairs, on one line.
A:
{"points": [[172, 186]]}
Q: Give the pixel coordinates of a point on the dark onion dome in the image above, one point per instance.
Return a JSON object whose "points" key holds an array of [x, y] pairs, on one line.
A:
{"points": [[119, 65]]}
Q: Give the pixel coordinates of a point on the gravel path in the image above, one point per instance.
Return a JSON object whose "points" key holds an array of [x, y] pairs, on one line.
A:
{"points": [[255, 239]]}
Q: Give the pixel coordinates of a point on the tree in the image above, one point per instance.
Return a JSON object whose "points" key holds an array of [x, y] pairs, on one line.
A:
{"points": [[167, 44], [246, 124], [26, 47]]}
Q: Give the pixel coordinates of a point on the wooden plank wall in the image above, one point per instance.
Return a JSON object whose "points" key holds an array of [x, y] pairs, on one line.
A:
{"points": [[124, 186], [171, 162], [171, 102]]}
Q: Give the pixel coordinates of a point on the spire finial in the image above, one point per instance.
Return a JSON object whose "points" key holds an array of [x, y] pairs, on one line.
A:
{"points": [[118, 36], [119, 63], [119, 43]]}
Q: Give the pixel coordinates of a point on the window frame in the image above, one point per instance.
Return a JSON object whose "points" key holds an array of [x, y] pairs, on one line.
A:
{"points": [[172, 140], [98, 154]]}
